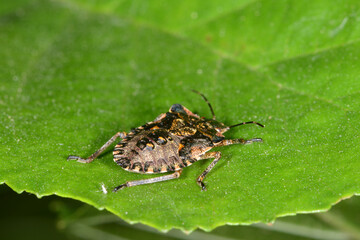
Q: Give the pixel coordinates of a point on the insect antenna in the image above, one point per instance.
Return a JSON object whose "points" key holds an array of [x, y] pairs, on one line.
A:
{"points": [[205, 99], [243, 123]]}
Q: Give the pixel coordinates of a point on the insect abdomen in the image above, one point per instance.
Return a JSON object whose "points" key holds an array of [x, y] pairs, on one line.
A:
{"points": [[152, 151]]}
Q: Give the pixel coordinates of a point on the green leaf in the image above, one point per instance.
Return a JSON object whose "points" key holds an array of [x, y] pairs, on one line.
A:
{"points": [[75, 73]]}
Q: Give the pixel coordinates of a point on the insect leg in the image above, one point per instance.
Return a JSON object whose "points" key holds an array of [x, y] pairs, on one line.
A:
{"points": [[217, 156], [150, 180], [98, 152], [226, 142]]}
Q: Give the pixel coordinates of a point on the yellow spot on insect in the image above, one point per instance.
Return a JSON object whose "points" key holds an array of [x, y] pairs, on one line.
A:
{"points": [[177, 124], [150, 170], [154, 127], [150, 145], [136, 169], [188, 162], [163, 169], [177, 167], [181, 146], [116, 152]]}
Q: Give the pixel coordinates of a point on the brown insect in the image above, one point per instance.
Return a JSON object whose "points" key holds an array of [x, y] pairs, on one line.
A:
{"points": [[172, 141]]}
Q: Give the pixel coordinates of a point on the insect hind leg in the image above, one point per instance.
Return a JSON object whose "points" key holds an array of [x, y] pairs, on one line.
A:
{"points": [[98, 152], [174, 175]]}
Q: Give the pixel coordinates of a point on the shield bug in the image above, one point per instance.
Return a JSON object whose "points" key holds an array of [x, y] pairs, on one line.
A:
{"points": [[173, 141]]}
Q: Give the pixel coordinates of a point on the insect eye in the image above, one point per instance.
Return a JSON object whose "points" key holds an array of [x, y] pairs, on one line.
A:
{"points": [[177, 108]]}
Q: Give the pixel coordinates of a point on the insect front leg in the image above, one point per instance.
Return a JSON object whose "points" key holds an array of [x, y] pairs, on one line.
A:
{"points": [[98, 152], [227, 142], [149, 180], [217, 156]]}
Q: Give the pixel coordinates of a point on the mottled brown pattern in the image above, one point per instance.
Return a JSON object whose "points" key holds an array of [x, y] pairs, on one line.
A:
{"points": [[172, 141], [145, 152]]}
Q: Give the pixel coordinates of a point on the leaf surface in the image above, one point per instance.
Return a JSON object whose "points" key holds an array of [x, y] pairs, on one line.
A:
{"points": [[74, 73]]}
